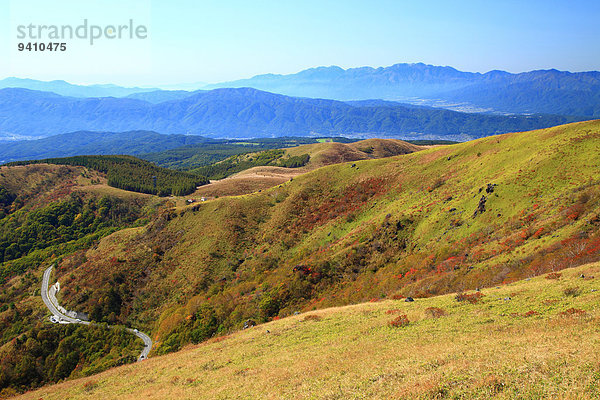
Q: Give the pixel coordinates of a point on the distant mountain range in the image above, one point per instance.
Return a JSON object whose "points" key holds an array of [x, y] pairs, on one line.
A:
{"points": [[160, 96], [68, 89], [500, 92], [94, 143], [543, 91], [244, 113]]}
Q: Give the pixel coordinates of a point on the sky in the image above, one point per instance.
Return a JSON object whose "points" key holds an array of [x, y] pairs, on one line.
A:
{"points": [[191, 41]]}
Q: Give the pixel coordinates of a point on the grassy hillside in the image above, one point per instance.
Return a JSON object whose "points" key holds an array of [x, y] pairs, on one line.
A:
{"points": [[242, 162], [449, 218], [314, 155], [130, 173], [322, 154], [251, 172], [215, 150], [436, 221], [37, 185], [529, 339], [49, 210]]}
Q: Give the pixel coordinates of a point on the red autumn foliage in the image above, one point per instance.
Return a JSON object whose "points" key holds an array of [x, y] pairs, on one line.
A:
{"points": [[575, 211], [472, 298], [572, 312], [411, 272], [399, 322], [531, 313], [554, 275], [344, 204]]}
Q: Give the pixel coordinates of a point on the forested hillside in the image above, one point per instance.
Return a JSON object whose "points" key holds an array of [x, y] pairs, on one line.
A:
{"points": [[130, 173], [49, 212], [95, 143], [48, 353]]}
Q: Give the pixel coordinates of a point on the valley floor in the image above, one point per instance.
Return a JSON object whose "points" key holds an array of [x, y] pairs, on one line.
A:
{"points": [[537, 338]]}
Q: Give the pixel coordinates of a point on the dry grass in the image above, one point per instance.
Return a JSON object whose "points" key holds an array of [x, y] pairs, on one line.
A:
{"points": [[41, 184], [435, 312], [249, 181], [104, 190], [321, 154], [477, 351]]}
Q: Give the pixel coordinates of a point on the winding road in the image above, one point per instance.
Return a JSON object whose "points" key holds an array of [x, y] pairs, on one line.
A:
{"points": [[65, 319]]}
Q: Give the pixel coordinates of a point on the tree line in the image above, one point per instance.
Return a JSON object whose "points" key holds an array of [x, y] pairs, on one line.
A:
{"points": [[49, 353], [242, 162], [133, 174]]}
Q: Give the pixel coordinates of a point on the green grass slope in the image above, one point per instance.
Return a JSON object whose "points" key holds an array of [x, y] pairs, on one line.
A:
{"points": [[449, 218], [529, 339]]}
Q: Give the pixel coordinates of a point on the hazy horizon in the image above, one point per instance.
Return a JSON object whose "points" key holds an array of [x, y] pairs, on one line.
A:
{"points": [[200, 41], [200, 84]]}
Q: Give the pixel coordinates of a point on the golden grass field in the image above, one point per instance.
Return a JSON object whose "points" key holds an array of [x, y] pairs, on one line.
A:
{"points": [[490, 349]]}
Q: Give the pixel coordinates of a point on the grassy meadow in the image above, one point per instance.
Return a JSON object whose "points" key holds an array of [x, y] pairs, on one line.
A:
{"points": [[542, 343], [356, 231]]}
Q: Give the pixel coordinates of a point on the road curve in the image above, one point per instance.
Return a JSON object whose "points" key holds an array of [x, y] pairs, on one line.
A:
{"points": [[69, 320], [147, 343]]}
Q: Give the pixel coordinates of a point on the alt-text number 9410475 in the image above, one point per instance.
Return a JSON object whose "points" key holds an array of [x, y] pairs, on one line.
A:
{"points": [[35, 46]]}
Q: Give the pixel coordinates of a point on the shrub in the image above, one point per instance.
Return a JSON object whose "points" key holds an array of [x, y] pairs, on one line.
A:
{"points": [[399, 322], [531, 313], [269, 305], [435, 312], [554, 275], [572, 312], [90, 385], [472, 298], [571, 291], [436, 184]]}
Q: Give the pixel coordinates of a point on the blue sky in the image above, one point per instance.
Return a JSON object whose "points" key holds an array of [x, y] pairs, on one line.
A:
{"points": [[211, 41]]}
